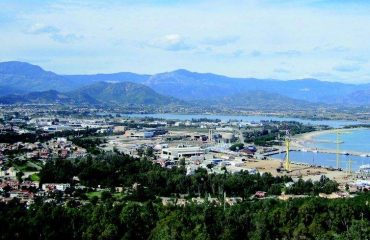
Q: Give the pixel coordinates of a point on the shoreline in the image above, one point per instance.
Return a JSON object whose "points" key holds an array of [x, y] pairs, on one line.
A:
{"points": [[299, 142], [279, 116]]}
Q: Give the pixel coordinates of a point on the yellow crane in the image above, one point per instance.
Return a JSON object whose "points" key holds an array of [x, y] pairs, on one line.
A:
{"points": [[287, 158], [339, 141]]}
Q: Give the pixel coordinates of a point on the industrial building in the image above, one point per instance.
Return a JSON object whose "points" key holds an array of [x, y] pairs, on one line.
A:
{"points": [[181, 152]]}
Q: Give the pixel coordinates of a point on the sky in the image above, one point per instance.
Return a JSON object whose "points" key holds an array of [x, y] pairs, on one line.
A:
{"points": [[274, 39]]}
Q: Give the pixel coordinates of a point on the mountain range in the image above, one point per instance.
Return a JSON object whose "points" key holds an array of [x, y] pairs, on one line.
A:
{"points": [[19, 79], [122, 93]]}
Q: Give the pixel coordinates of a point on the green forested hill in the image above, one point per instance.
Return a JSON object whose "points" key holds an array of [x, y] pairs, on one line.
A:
{"points": [[124, 93], [98, 93]]}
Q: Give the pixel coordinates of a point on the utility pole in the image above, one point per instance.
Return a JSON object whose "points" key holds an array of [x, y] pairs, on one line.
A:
{"points": [[338, 150], [338, 142], [349, 170]]}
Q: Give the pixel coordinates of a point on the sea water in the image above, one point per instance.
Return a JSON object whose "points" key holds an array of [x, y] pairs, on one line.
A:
{"points": [[325, 159], [351, 140]]}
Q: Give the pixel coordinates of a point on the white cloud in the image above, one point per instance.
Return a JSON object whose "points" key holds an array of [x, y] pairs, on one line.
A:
{"points": [[347, 68], [171, 42], [65, 38], [237, 38], [39, 28], [52, 32]]}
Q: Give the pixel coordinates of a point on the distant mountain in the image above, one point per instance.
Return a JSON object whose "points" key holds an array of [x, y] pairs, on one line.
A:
{"points": [[125, 93], [21, 78], [254, 100], [99, 93], [356, 98], [191, 86], [47, 97], [83, 80]]}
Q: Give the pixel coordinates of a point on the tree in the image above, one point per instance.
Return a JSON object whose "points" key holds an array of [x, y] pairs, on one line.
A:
{"points": [[359, 229], [137, 221], [149, 152], [105, 195], [94, 200], [140, 151], [236, 146], [275, 189], [19, 176]]}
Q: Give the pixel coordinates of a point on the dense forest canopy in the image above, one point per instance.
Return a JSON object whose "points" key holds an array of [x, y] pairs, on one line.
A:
{"points": [[309, 218]]}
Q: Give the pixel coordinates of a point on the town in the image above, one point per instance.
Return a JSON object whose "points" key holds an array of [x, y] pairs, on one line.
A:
{"points": [[31, 140]]}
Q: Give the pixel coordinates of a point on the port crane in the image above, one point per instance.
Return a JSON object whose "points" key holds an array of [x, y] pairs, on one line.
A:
{"points": [[349, 166], [287, 149], [338, 141]]}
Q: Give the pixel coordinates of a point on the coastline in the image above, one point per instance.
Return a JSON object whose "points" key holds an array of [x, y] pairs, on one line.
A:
{"points": [[300, 141], [307, 137]]}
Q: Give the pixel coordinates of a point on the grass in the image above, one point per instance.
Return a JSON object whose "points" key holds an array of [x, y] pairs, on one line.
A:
{"points": [[28, 166], [90, 195], [25, 168], [35, 177], [93, 194]]}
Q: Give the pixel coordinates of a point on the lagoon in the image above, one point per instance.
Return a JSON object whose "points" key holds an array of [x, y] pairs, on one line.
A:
{"points": [[247, 118]]}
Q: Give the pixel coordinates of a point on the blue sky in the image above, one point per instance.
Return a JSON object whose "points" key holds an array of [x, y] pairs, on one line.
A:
{"points": [[278, 39]]}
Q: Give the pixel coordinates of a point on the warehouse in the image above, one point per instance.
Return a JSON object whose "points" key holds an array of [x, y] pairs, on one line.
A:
{"points": [[181, 152]]}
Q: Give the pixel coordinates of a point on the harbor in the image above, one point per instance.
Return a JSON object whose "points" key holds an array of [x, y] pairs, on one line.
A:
{"points": [[339, 153]]}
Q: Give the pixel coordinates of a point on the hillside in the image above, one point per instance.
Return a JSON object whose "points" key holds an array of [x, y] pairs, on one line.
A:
{"points": [[21, 78], [352, 99], [254, 100], [125, 93], [98, 93], [47, 97], [83, 80], [191, 86]]}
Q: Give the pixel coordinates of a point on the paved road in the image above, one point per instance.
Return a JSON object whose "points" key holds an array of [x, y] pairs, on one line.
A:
{"points": [[240, 133]]}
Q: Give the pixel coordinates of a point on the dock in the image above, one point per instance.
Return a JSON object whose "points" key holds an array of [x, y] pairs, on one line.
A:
{"points": [[327, 151]]}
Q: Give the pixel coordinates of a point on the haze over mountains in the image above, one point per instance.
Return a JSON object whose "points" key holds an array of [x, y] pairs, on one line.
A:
{"points": [[19, 81]]}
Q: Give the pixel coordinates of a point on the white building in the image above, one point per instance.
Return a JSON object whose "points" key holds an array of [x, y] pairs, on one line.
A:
{"points": [[55, 186], [181, 152]]}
